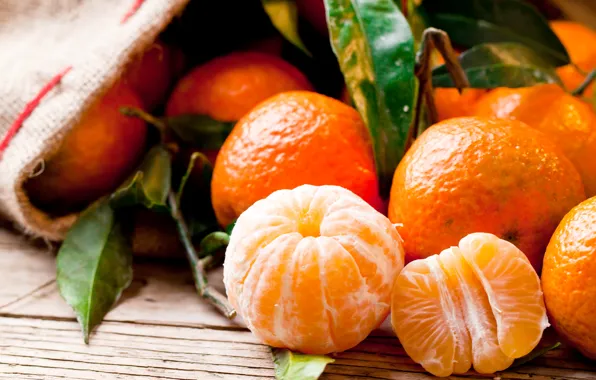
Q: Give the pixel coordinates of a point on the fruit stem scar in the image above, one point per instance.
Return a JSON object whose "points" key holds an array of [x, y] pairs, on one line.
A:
{"points": [[29, 108]]}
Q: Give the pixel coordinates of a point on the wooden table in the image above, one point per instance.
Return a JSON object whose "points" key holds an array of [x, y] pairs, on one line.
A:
{"points": [[162, 330]]}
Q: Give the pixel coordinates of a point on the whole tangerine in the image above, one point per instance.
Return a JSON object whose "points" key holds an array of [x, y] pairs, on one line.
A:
{"points": [[475, 174], [567, 120], [569, 278], [311, 269], [292, 139]]}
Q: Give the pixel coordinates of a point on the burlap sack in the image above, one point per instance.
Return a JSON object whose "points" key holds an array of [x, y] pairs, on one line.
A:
{"points": [[56, 57]]}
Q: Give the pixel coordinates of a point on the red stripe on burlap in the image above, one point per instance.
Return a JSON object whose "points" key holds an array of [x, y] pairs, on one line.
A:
{"points": [[29, 108], [135, 7]]}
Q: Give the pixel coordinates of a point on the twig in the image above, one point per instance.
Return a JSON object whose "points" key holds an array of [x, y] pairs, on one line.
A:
{"points": [[206, 291], [160, 125], [579, 91], [434, 38]]}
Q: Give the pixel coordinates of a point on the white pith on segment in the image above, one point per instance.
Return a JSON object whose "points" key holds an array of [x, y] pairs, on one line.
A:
{"points": [[320, 261]]}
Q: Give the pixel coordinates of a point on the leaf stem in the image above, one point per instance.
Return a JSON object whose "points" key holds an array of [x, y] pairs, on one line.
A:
{"points": [[435, 38], [147, 117], [206, 291], [579, 91]]}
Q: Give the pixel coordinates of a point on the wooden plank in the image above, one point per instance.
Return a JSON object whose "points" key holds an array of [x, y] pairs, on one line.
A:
{"points": [[161, 329]]}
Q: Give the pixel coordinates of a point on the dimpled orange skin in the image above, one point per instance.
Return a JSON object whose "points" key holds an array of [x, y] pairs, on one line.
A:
{"points": [[95, 157], [580, 42], [227, 87], [476, 174], [292, 139], [569, 278], [311, 269], [567, 120]]}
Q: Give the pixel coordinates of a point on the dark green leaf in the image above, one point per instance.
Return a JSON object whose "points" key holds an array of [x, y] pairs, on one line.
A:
{"points": [[534, 354], [200, 131], [284, 16], [206, 172], [472, 22], [293, 366], [94, 266], [149, 185], [504, 64], [375, 48]]}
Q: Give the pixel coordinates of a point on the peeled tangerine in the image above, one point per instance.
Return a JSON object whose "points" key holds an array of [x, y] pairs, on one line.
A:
{"points": [[311, 269], [477, 304]]}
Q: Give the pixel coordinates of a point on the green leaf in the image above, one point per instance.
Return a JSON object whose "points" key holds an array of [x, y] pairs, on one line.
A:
{"points": [[284, 16], [230, 227], [200, 131], [504, 64], [149, 185], [294, 366], [206, 172], [534, 354], [472, 22], [375, 48], [94, 265]]}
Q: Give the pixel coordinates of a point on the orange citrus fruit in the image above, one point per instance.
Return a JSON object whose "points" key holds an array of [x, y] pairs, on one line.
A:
{"points": [[292, 139], [476, 174], [580, 42], [311, 269], [227, 87], [450, 102], [567, 120], [569, 278], [477, 304], [150, 74], [94, 158]]}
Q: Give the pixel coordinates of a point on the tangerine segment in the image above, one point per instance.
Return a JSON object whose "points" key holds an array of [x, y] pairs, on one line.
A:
{"points": [[311, 269], [479, 303]]}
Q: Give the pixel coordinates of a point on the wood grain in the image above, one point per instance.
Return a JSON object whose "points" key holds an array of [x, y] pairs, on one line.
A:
{"points": [[161, 330]]}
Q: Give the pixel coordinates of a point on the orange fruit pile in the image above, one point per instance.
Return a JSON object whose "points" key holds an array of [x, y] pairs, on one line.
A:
{"points": [[311, 269], [476, 174], [476, 304], [569, 278], [567, 120], [292, 139]]}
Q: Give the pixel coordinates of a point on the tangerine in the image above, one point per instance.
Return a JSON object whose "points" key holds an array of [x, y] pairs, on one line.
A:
{"points": [[311, 269], [95, 156], [567, 120], [579, 41], [227, 87], [479, 303], [477, 174], [292, 139], [569, 278]]}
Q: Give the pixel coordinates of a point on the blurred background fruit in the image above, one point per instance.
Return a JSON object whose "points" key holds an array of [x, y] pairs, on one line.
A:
{"points": [[99, 152], [569, 278], [312, 269], [478, 303], [476, 174], [227, 87], [567, 120], [292, 139], [155, 235], [580, 42], [151, 74]]}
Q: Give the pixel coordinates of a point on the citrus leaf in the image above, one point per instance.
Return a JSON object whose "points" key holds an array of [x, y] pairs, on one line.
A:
{"points": [[230, 227], [472, 22], [206, 172], [294, 366], [284, 16], [375, 48], [200, 131], [94, 265], [504, 64], [149, 185], [534, 354]]}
